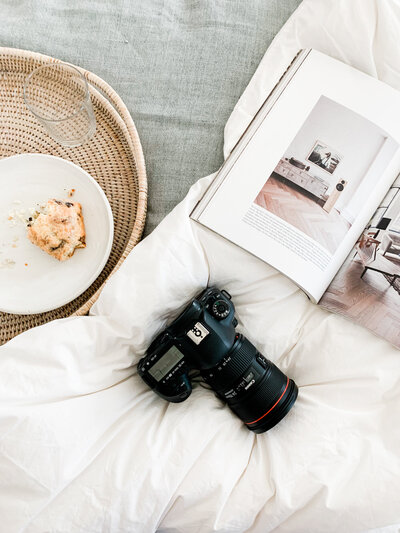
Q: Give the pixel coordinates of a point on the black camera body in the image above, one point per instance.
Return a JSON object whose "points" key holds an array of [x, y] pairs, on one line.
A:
{"points": [[203, 338]]}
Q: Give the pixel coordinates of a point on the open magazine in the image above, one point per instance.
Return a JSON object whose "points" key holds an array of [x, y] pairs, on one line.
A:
{"points": [[311, 189]]}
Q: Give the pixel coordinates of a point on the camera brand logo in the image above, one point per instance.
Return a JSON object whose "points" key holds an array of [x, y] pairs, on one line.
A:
{"points": [[198, 333]]}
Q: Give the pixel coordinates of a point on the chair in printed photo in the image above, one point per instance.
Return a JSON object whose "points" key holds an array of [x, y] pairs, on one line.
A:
{"points": [[367, 249], [390, 243]]}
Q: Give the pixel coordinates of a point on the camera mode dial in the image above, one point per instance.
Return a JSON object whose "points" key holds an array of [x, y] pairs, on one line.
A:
{"points": [[220, 309]]}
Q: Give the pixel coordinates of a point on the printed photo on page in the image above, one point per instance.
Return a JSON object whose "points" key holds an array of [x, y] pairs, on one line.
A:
{"points": [[327, 173], [367, 287]]}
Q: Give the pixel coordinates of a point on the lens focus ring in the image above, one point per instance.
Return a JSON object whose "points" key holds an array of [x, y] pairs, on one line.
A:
{"points": [[232, 367]]}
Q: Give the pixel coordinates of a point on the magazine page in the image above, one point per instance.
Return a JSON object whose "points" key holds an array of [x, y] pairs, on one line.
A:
{"points": [[313, 172], [367, 287]]}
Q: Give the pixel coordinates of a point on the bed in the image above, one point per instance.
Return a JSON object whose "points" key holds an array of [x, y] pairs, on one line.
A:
{"points": [[86, 447]]}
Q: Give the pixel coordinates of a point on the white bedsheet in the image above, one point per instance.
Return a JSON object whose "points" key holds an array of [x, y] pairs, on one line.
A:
{"points": [[85, 446]]}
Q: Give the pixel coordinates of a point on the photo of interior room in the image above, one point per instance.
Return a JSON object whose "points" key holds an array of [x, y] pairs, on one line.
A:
{"points": [[367, 287], [324, 177]]}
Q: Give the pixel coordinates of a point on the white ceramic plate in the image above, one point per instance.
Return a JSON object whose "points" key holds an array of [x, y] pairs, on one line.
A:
{"points": [[32, 281]]}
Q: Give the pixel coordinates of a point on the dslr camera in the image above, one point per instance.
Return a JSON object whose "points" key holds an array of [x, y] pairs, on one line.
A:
{"points": [[203, 338]]}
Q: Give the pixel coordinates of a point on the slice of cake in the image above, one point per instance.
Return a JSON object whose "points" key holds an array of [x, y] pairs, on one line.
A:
{"points": [[60, 230]]}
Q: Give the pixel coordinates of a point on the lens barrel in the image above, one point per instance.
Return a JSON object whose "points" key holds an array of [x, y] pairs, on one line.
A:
{"points": [[252, 386]]}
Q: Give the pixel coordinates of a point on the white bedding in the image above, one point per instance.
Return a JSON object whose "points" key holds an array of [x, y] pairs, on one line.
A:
{"points": [[85, 446]]}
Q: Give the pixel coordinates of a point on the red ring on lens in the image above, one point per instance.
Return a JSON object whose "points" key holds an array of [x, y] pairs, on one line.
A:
{"points": [[275, 404]]}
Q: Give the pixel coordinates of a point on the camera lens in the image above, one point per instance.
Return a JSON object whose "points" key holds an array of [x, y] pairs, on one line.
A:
{"points": [[253, 387]]}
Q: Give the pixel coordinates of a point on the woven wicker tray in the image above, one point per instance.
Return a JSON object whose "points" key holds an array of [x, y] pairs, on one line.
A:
{"points": [[113, 157]]}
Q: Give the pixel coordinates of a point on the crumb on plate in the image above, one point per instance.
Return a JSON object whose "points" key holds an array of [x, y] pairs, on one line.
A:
{"points": [[7, 263]]}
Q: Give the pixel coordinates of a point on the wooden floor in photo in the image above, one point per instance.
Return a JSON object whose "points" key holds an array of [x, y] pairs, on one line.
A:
{"points": [[372, 301], [303, 212]]}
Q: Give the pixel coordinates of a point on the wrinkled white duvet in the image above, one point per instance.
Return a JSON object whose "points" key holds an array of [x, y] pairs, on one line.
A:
{"points": [[85, 446]]}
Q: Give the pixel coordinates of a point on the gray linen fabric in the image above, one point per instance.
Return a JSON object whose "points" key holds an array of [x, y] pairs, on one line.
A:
{"points": [[179, 65]]}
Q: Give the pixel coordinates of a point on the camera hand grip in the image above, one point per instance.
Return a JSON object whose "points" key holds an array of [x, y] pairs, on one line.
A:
{"points": [[177, 390]]}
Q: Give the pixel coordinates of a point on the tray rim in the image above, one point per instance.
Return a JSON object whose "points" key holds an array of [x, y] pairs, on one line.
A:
{"points": [[133, 140]]}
